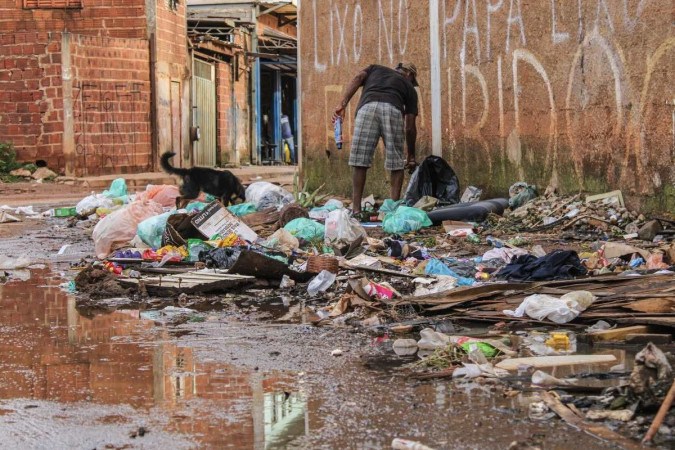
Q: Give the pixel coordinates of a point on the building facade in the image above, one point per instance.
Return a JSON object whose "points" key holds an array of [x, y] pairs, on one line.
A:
{"points": [[577, 94], [93, 87], [245, 57]]}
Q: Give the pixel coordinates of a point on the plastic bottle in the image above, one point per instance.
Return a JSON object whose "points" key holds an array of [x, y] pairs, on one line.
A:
{"points": [[321, 282], [338, 133]]}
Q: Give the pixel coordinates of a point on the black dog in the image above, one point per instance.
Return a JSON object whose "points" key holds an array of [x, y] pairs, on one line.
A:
{"points": [[219, 183]]}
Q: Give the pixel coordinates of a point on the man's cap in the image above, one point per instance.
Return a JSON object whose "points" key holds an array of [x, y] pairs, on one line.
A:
{"points": [[410, 67]]}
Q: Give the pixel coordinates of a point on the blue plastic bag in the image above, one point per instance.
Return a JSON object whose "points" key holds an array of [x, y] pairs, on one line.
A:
{"points": [[150, 230], [306, 229], [436, 267], [405, 220], [242, 209]]}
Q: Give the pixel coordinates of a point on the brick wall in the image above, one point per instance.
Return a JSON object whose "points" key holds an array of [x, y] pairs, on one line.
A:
{"points": [[122, 18], [111, 104], [31, 84], [233, 125], [171, 34], [573, 93]]}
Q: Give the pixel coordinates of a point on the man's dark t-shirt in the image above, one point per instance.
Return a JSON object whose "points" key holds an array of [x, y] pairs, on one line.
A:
{"points": [[387, 85]]}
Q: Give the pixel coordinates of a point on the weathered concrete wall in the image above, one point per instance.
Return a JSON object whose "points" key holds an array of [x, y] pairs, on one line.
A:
{"points": [[574, 93]]}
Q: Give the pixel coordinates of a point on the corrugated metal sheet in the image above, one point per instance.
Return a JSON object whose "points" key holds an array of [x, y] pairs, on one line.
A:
{"points": [[205, 114]]}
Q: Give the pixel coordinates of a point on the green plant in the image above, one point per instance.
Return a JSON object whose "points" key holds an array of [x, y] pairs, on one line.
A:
{"points": [[303, 197], [30, 167], [7, 158]]}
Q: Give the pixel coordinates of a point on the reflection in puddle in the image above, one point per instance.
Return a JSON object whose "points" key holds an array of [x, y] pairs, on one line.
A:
{"points": [[51, 352]]}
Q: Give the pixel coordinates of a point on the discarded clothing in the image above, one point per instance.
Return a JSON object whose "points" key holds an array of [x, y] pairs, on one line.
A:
{"points": [[557, 265]]}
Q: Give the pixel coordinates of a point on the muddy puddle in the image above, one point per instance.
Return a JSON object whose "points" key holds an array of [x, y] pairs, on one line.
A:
{"points": [[123, 380]]}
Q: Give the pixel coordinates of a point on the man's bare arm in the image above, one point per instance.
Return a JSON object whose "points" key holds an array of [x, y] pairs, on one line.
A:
{"points": [[351, 89]]}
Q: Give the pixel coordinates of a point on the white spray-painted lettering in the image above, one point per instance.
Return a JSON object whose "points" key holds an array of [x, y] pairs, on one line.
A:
{"points": [[449, 21], [388, 30], [319, 67], [492, 8], [358, 32], [471, 29], [557, 37], [607, 17], [512, 20], [341, 24], [403, 14]]}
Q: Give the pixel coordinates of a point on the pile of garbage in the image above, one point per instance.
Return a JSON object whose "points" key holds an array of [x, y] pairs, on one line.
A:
{"points": [[633, 396], [417, 268]]}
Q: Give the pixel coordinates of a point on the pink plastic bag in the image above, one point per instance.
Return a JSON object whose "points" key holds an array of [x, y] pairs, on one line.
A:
{"points": [[119, 227], [164, 194]]}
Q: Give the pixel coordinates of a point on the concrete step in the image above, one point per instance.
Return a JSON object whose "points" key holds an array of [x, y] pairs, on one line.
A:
{"points": [[138, 181]]}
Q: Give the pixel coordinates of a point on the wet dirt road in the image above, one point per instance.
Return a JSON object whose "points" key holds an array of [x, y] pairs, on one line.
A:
{"points": [[233, 378]]}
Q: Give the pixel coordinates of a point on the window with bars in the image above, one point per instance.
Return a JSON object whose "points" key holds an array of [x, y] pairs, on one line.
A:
{"points": [[52, 4]]}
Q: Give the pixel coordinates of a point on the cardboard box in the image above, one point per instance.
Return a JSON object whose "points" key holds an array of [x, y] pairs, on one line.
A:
{"points": [[216, 219]]}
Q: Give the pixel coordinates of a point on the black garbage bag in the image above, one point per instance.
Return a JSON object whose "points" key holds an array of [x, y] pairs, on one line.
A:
{"points": [[221, 258], [435, 178]]}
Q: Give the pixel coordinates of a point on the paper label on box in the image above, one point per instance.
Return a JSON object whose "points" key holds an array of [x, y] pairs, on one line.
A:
{"points": [[215, 219]]}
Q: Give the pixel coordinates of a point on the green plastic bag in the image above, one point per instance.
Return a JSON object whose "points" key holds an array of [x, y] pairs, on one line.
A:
{"points": [[118, 188], [521, 193], [390, 206], [306, 229], [196, 246], [405, 220], [150, 230], [242, 209], [488, 350], [195, 206]]}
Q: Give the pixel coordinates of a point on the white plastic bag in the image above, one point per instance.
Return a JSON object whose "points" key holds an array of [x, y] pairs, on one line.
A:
{"points": [[342, 228], [558, 310], [282, 240], [321, 282], [91, 203], [267, 195], [120, 226], [431, 339]]}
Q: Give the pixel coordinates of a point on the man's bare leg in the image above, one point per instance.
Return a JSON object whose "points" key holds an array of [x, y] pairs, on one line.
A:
{"points": [[358, 183], [396, 184]]}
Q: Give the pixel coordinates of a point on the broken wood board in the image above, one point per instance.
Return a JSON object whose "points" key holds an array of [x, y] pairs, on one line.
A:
{"points": [[653, 305], [393, 273], [644, 339], [596, 430], [188, 283], [649, 320], [617, 334], [555, 361]]}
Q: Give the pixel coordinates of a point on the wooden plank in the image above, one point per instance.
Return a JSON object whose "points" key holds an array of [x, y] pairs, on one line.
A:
{"points": [[653, 305], [617, 334], [649, 320], [382, 271], [596, 430], [555, 361], [657, 339]]}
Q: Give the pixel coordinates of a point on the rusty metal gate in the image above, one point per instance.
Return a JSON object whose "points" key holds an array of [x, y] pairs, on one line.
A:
{"points": [[204, 113]]}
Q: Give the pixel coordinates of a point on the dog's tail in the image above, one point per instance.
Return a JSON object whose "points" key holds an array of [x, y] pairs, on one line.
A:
{"points": [[168, 168]]}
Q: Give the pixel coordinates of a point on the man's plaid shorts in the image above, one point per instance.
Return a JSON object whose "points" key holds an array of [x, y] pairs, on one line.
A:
{"points": [[375, 120]]}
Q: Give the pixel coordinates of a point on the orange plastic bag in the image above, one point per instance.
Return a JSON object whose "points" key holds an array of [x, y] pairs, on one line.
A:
{"points": [[164, 194], [120, 226]]}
